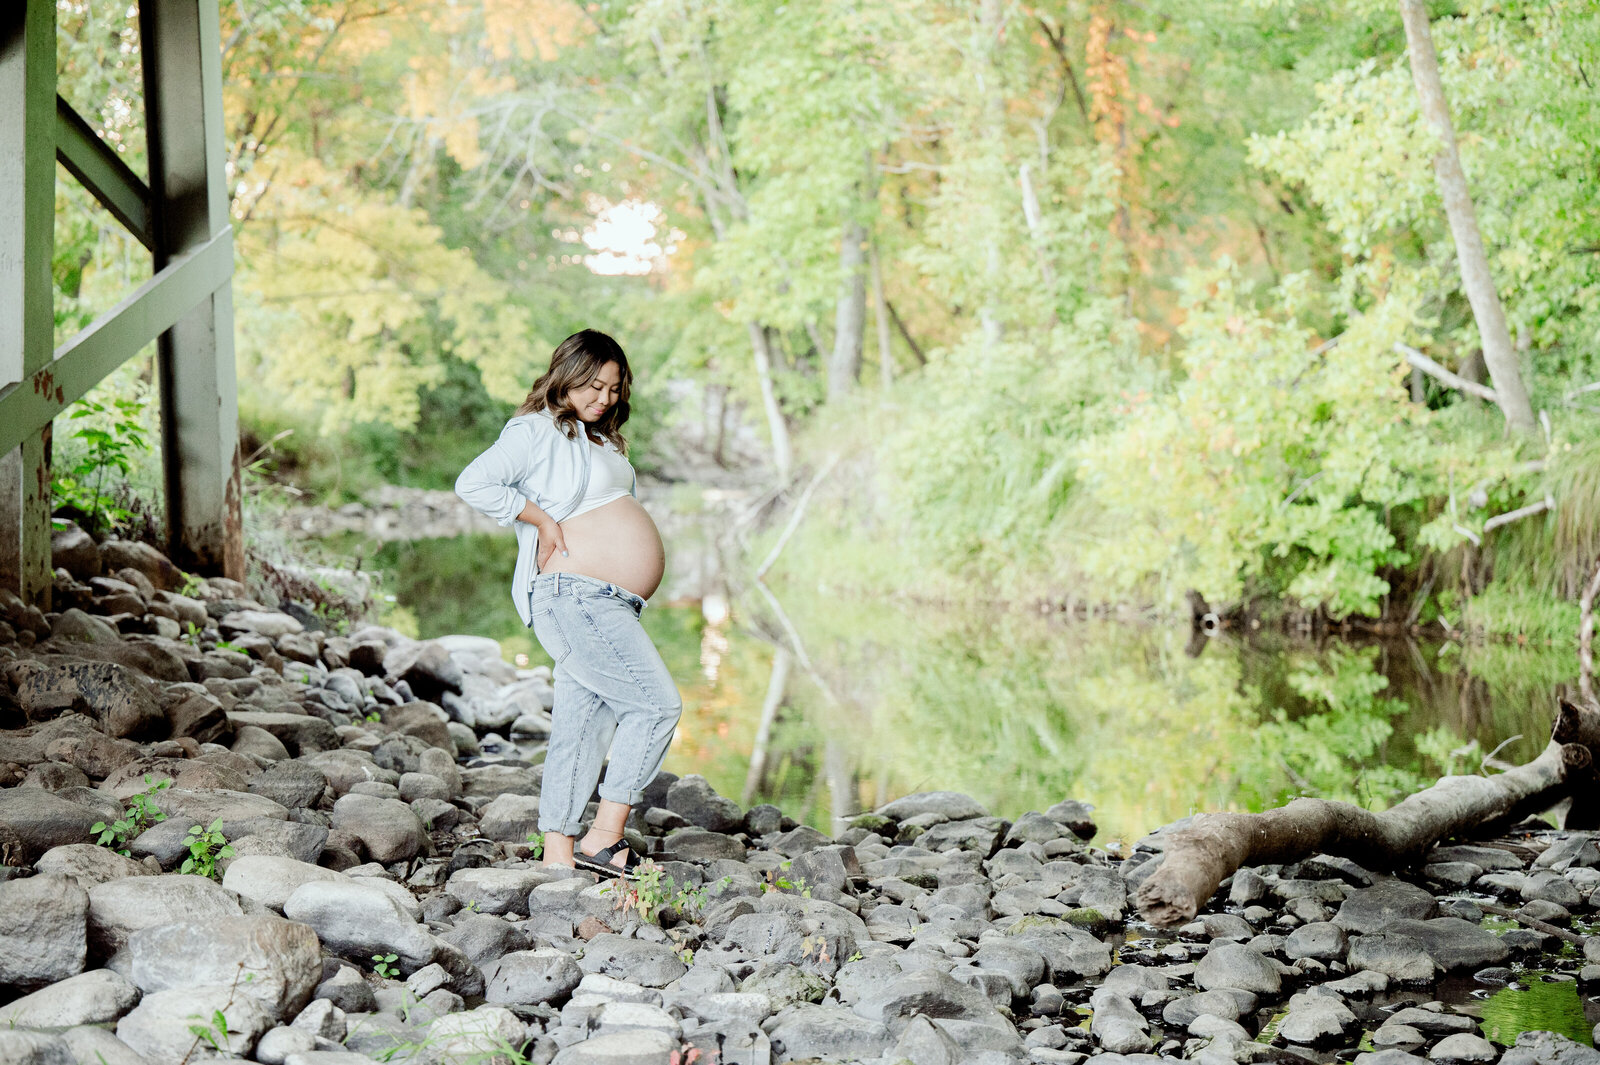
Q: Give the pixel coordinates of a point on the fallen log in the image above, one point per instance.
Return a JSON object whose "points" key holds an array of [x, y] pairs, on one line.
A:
{"points": [[1209, 849]]}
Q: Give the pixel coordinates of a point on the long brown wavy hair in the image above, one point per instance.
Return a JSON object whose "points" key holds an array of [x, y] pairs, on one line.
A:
{"points": [[573, 364]]}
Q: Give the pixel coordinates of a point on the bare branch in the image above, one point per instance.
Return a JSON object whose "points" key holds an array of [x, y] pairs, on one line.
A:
{"points": [[1439, 373]]}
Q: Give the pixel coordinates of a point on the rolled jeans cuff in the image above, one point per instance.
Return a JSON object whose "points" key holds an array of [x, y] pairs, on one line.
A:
{"points": [[569, 828], [626, 796]]}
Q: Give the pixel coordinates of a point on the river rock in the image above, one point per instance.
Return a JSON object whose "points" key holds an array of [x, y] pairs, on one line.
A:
{"points": [[99, 996], [948, 805], [120, 908], [476, 1035], [301, 734], [1463, 1046], [693, 798], [43, 930], [1238, 966], [293, 784], [89, 864], [356, 920], [158, 1027], [965, 1012], [830, 1033], [277, 962], [497, 891], [648, 964], [388, 828], [1453, 943], [1399, 957], [1316, 1019], [531, 976], [118, 699], [41, 820], [1116, 1025], [1229, 1003], [512, 818], [1322, 940], [270, 879], [619, 1048], [1369, 909], [34, 1048]]}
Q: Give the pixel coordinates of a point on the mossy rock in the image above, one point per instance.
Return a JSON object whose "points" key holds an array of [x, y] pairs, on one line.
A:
{"points": [[873, 823], [926, 881], [1088, 919], [1038, 922]]}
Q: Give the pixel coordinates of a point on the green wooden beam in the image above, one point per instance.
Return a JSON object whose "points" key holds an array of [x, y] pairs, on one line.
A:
{"points": [[153, 308], [27, 317], [101, 170]]}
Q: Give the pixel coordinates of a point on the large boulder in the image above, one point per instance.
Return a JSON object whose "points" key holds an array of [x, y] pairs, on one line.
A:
{"points": [[270, 879], [159, 1026], [118, 699], [120, 908], [43, 930], [99, 996], [356, 921], [388, 828], [276, 962]]}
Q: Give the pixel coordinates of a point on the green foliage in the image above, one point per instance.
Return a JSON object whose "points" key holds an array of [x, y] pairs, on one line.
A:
{"points": [[111, 442], [384, 965], [140, 813], [650, 891], [207, 846], [535, 845]]}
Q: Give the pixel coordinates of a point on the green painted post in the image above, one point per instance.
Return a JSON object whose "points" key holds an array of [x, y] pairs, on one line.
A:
{"points": [[182, 53], [27, 318]]}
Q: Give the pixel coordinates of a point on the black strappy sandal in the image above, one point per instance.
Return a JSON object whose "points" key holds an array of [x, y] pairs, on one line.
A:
{"points": [[600, 861]]}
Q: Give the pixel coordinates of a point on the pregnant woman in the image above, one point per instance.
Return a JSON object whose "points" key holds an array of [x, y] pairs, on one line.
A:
{"points": [[588, 557]]}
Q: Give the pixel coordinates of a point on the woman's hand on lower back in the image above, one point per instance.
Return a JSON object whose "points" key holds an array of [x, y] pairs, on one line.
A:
{"points": [[550, 541]]}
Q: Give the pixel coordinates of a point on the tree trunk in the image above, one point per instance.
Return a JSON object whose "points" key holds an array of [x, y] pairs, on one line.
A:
{"points": [[850, 316], [777, 684], [782, 455], [1212, 847], [1498, 354], [880, 316]]}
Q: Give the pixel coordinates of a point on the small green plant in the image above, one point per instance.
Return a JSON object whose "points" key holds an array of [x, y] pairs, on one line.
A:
{"points": [[384, 965], [773, 882], [191, 586], [215, 1031], [536, 845], [109, 448], [854, 957], [374, 717], [652, 890], [471, 906], [191, 633], [229, 645], [140, 813], [206, 847]]}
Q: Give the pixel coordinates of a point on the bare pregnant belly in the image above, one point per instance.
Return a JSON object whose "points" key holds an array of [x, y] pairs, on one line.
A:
{"points": [[617, 542]]}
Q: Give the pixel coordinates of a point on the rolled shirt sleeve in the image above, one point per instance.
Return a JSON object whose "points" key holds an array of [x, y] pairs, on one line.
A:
{"points": [[490, 482]]}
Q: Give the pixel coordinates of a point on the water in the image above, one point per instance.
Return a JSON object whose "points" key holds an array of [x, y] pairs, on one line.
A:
{"points": [[1022, 710]]}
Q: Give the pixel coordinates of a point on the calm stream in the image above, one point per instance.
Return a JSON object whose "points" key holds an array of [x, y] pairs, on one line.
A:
{"points": [[1020, 709]]}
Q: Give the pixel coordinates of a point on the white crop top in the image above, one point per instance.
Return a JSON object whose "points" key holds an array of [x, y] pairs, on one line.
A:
{"points": [[610, 477]]}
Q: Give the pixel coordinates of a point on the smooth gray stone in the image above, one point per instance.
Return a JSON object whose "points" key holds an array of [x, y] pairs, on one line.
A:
{"points": [[1117, 1026], [618, 1048], [271, 879], [1453, 943], [43, 930], [356, 920], [1549, 1048], [966, 1013], [89, 864], [828, 1032], [43, 819], [951, 805], [476, 1034], [1229, 1003], [158, 1027], [99, 1046], [649, 964], [497, 891], [119, 908], [1399, 957], [1238, 966], [388, 828], [34, 1048], [1316, 1019], [1369, 909], [276, 962], [95, 997], [1464, 1046], [1322, 940], [531, 976]]}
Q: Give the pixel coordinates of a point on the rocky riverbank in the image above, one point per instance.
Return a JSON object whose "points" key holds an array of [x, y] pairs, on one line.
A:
{"points": [[378, 898]]}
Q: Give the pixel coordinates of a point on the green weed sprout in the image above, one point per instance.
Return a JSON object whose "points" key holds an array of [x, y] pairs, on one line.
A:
{"points": [[384, 965], [206, 847], [536, 844], [140, 813]]}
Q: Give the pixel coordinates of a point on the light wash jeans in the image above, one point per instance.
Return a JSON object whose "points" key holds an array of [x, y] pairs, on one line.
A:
{"points": [[610, 682]]}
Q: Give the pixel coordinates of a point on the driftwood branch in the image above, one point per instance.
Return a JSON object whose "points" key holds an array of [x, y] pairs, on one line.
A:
{"points": [[1439, 373], [1213, 846], [1547, 503], [1591, 591]]}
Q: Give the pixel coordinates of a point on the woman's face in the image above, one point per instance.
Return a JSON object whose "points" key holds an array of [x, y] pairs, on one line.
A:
{"points": [[594, 397]]}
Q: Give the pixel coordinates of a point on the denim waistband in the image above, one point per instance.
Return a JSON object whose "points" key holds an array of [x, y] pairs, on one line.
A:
{"points": [[592, 585]]}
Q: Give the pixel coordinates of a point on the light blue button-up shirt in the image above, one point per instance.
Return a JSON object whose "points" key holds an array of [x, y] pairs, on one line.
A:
{"points": [[532, 460]]}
